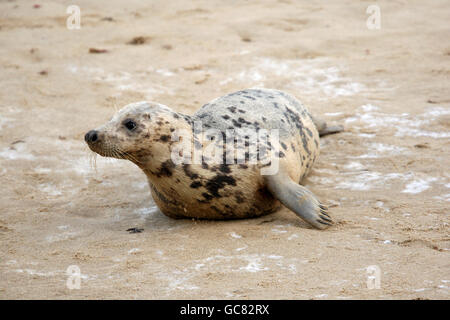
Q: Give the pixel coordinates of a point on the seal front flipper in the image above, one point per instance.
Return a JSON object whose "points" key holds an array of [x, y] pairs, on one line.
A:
{"points": [[299, 199]]}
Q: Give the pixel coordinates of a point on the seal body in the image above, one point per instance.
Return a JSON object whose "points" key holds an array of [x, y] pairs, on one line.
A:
{"points": [[144, 133], [269, 109]]}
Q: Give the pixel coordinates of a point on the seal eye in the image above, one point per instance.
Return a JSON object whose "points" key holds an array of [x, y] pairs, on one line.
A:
{"points": [[130, 124]]}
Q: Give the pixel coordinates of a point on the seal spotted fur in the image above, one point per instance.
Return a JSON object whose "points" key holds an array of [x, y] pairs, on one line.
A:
{"points": [[143, 133]]}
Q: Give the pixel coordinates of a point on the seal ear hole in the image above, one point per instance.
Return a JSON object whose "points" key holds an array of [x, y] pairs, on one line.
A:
{"points": [[129, 124]]}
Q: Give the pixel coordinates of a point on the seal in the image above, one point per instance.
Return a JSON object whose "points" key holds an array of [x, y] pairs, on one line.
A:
{"points": [[191, 162]]}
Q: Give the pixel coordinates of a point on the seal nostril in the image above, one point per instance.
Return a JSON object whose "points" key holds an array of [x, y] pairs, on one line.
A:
{"points": [[91, 136]]}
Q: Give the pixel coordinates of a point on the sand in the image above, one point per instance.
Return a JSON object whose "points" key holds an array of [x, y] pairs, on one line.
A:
{"points": [[386, 178]]}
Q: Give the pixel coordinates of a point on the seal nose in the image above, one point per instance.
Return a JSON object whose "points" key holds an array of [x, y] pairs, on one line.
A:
{"points": [[91, 136]]}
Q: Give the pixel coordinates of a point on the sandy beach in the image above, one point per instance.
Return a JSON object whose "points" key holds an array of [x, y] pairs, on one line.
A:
{"points": [[386, 179]]}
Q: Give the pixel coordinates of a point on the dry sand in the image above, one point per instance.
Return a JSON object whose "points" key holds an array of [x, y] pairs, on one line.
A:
{"points": [[386, 178]]}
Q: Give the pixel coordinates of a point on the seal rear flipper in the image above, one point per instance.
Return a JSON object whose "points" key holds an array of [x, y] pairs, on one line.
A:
{"points": [[323, 127], [300, 200], [331, 130]]}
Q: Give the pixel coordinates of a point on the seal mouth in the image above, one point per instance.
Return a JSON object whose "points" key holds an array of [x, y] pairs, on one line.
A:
{"points": [[97, 143], [108, 150]]}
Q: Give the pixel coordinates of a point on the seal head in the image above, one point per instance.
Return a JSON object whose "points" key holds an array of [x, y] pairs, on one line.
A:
{"points": [[133, 133]]}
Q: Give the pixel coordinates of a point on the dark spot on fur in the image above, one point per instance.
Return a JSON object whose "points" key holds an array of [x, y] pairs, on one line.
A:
{"points": [[188, 119], [164, 138], [239, 196], [196, 184], [265, 193], [218, 182], [188, 172], [207, 196], [237, 124], [242, 120], [225, 168], [305, 144], [226, 117], [232, 109], [283, 145], [166, 169]]}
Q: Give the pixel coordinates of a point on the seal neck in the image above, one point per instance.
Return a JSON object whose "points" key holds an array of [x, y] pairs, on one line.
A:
{"points": [[171, 134]]}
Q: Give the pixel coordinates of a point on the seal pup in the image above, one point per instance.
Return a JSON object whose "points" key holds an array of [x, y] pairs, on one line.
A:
{"points": [[147, 133]]}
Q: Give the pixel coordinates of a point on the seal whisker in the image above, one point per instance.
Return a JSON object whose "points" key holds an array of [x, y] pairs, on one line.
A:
{"points": [[127, 155], [116, 154], [131, 157], [93, 160]]}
